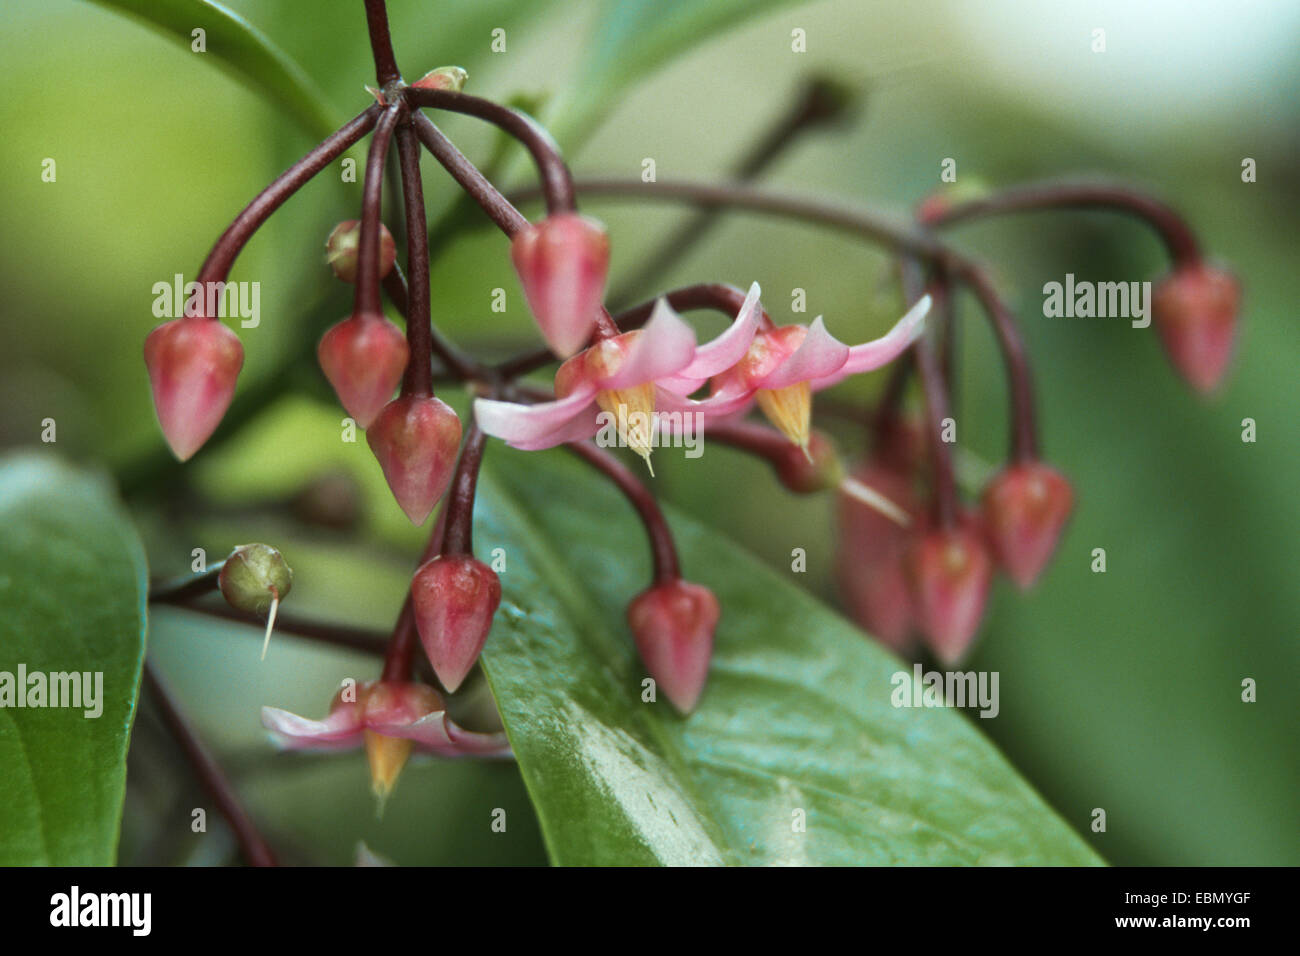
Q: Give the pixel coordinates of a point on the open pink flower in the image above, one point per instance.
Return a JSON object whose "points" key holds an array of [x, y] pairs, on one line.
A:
{"points": [[390, 718], [631, 377], [785, 365]]}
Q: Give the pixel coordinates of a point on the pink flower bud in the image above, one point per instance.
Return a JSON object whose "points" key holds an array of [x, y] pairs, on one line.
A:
{"points": [[869, 562], [673, 626], [950, 572], [341, 250], [363, 357], [455, 597], [1195, 312], [193, 364], [415, 439], [562, 263], [1024, 509]]}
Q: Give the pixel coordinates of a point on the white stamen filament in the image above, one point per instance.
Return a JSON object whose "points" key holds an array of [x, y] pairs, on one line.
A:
{"points": [[270, 620], [874, 499]]}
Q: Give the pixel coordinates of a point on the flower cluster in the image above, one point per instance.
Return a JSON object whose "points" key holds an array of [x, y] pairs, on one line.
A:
{"points": [[914, 560]]}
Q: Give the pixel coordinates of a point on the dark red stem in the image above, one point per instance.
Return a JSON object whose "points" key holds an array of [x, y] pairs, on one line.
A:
{"points": [[458, 364], [255, 849], [460, 499], [381, 43], [1173, 230], [1024, 431], [766, 443], [936, 404], [508, 219], [367, 296], [419, 334], [217, 265], [556, 183], [336, 635], [662, 550]]}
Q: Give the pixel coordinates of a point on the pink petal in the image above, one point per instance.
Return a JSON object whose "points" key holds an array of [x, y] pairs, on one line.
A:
{"points": [[723, 402], [665, 346], [819, 355], [514, 422], [437, 733], [582, 426], [340, 730], [872, 355], [723, 352]]}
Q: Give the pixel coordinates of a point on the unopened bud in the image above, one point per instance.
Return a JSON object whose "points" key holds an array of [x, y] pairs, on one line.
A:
{"points": [[950, 571], [443, 78], [363, 357], [455, 598], [255, 578], [812, 469], [1195, 311], [342, 245], [415, 439], [673, 624], [193, 364], [1024, 509], [562, 263], [869, 560]]}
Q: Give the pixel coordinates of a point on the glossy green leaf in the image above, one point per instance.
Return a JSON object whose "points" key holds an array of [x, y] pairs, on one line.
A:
{"points": [[797, 715], [73, 587], [240, 47]]}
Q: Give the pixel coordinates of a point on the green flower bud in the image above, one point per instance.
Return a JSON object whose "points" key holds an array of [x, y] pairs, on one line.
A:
{"points": [[253, 576]]}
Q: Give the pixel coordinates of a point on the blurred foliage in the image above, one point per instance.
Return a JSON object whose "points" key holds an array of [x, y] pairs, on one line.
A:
{"points": [[1119, 691]]}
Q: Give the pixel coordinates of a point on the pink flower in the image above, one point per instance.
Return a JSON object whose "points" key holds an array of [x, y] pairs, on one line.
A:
{"points": [[390, 718], [785, 365], [631, 377]]}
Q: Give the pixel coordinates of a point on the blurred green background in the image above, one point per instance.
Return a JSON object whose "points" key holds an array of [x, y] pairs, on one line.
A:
{"points": [[1119, 691]]}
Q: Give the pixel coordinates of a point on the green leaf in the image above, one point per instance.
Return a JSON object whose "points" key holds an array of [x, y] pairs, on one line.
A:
{"points": [[250, 56], [796, 716], [73, 589], [633, 38]]}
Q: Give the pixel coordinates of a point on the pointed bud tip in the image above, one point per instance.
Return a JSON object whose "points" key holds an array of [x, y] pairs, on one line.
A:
{"points": [[342, 245], [455, 599], [673, 625]]}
